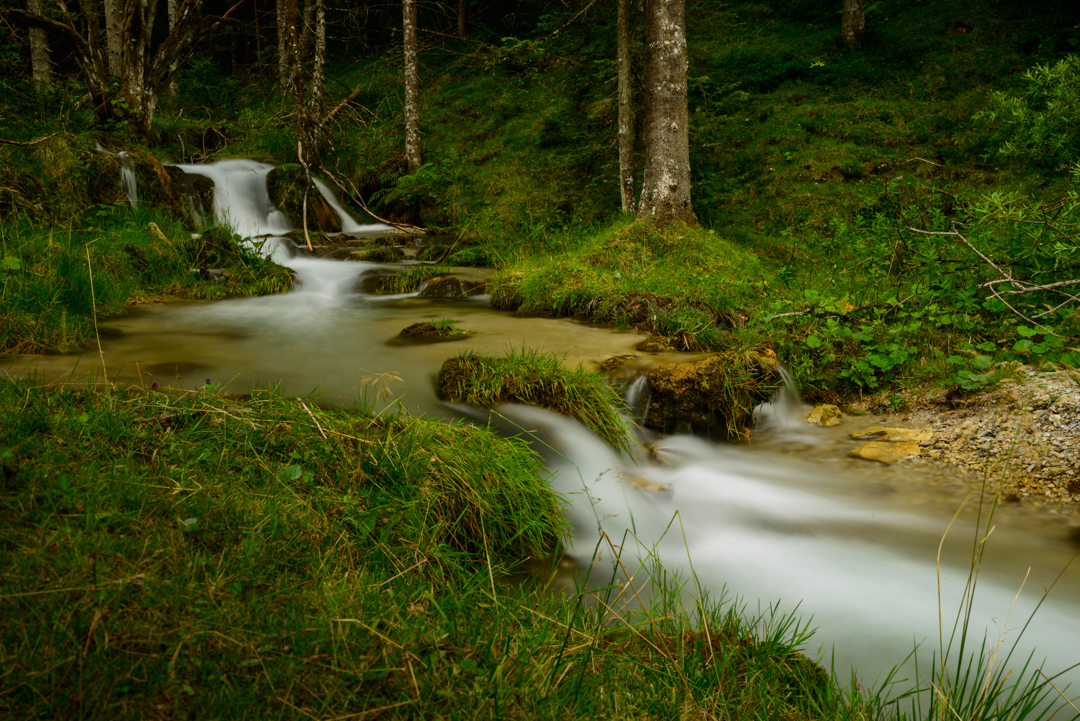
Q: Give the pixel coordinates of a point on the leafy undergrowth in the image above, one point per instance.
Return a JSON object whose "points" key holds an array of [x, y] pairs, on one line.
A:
{"points": [[53, 280], [534, 378], [196, 555]]}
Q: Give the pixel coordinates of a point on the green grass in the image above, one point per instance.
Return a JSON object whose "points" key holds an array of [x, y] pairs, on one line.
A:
{"points": [[203, 556], [535, 378], [54, 280]]}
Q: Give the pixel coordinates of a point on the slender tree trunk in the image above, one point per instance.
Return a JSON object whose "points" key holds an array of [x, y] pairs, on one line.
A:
{"points": [[318, 70], [172, 7], [414, 156], [308, 34], [40, 62], [853, 24], [462, 28], [626, 111], [283, 42], [114, 24], [665, 192]]}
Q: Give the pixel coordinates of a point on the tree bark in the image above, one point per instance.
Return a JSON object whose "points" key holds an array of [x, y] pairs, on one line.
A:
{"points": [[283, 42], [172, 6], [414, 156], [626, 111], [665, 192], [462, 28], [308, 34], [114, 23], [853, 23], [318, 70], [40, 62]]}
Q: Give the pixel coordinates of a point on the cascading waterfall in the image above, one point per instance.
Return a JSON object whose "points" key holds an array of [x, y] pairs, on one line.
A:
{"points": [[860, 560], [242, 201], [127, 179], [863, 566]]}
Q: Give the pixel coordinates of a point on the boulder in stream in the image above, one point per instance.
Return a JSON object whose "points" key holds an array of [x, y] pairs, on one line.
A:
{"points": [[894, 435], [286, 184], [716, 395], [884, 451], [825, 414]]}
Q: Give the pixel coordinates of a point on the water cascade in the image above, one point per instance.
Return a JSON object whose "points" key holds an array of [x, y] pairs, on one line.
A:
{"points": [[856, 548]]}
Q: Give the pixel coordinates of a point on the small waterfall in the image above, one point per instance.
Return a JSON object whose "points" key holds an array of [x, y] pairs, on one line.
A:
{"points": [[348, 223], [785, 412], [127, 179]]}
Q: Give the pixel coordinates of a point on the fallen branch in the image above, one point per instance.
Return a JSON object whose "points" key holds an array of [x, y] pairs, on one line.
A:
{"points": [[26, 144], [831, 314]]}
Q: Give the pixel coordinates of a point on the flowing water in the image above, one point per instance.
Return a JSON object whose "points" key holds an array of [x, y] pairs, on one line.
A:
{"points": [[852, 545]]}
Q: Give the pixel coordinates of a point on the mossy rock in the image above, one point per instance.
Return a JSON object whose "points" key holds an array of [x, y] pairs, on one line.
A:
{"points": [[381, 254], [286, 184], [534, 379], [432, 332], [450, 287], [199, 187], [716, 395]]}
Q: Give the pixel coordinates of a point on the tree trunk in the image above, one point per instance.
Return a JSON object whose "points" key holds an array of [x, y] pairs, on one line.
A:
{"points": [[318, 71], [308, 35], [283, 42], [665, 192], [853, 24], [414, 156], [626, 111], [172, 5], [462, 29], [114, 24], [40, 63]]}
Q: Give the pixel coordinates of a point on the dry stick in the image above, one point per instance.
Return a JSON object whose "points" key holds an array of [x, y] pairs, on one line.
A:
{"points": [[811, 309], [93, 304], [355, 197], [1067, 700], [307, 238], [314, 420], [26, 144]]}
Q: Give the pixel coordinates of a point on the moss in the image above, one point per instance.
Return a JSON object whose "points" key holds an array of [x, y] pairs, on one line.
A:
{"points": [[433, 332], [532, 378], [286, 184], [717, 394]]}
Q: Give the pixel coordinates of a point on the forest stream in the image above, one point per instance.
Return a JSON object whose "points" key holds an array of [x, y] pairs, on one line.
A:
{"points": [[849, 545]]}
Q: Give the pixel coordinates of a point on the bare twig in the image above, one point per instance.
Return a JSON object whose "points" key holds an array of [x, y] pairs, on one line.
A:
{"points": [[28, 143], [313, 419]]}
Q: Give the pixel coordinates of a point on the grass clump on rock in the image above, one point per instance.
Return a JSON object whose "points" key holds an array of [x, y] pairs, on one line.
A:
{"points": [[433, 331], [533, 378]]}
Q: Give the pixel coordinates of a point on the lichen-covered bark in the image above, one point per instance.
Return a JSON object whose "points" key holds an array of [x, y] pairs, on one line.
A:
{"points": [[40, 62], [413, 152], [172, 6], [114, 24], [318, 70], [283, 42], [665, 192], [626, 111], [853, 23]]}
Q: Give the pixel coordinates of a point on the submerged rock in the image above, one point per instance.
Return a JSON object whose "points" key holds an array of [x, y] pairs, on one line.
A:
{"points": [[432, 332], [825, 414], [894, 435], [885, 451]]}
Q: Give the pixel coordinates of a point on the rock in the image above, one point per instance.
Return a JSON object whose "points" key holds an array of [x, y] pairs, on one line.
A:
{"points": [[825, 414], [894, 435], [884, 451]]}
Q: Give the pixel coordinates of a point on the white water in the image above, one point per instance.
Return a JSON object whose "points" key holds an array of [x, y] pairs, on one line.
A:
{"points": [[860, 559], [765, 527]]}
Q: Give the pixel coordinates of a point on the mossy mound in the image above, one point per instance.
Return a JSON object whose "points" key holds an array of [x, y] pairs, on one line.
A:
{"points": [[432, 332], [450, 287], [686, 283], [536, 379], [717, 394], [286, 184]]}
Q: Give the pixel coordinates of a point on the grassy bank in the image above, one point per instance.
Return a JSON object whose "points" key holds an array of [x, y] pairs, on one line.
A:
{"points": [[195, 555]]}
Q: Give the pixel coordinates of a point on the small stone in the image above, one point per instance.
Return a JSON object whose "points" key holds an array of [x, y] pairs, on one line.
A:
{"points": [[825, 414], [894, 435], [885, 452]]}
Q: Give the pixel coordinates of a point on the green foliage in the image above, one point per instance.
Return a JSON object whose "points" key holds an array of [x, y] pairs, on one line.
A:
{"points": [[1043, 124]]}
